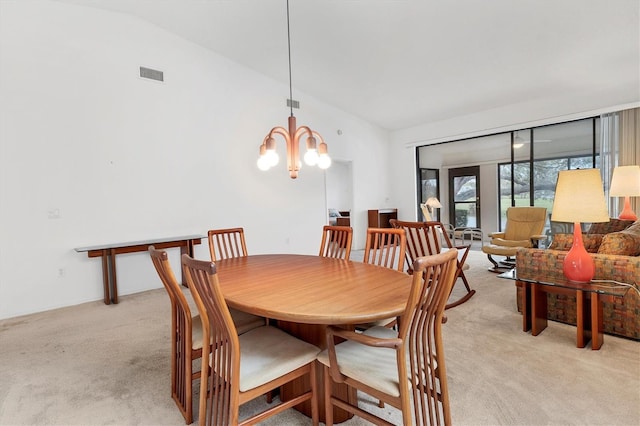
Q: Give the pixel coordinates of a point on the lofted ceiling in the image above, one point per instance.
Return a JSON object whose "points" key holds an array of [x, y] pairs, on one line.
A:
{"points": [[404, 63]]}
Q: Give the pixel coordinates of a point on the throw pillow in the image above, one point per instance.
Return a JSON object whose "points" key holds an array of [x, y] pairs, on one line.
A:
{"points": [[614, 225], [620, 243], [565, 242], [633, 229]]}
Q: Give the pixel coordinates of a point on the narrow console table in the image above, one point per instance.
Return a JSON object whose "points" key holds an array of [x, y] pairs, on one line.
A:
{"points": [[588, 315], [108, 253]]}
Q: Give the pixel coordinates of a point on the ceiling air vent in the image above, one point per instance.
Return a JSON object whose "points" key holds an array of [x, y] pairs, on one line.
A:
{"points": [[151, 74], [293, 103]]}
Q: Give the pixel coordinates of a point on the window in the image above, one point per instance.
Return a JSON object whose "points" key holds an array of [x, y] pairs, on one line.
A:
{"points": [[429, 187]]}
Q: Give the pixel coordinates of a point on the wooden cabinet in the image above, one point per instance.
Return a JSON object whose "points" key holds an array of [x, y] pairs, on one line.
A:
{"points": [[380, 218], [343, 221]]}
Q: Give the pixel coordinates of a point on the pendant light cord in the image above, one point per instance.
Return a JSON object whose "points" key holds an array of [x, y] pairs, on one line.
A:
{"points": [[289, 46]]}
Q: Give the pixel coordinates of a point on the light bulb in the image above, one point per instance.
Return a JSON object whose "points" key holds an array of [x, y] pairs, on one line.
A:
{"points": [[263, 163], [324, 161], [311, 157], [272, 157]]}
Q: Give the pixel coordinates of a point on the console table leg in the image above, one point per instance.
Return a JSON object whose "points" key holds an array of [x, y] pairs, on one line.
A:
{"points": [[188, 249], [114, 282], [105, 277]]}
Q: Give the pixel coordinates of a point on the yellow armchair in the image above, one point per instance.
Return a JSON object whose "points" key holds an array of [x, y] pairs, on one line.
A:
{"points": [[524, 229]]}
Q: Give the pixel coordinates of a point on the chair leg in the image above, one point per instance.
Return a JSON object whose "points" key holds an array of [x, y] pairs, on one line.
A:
{"points": [[495, 264], [497, 267], [328, 406]]}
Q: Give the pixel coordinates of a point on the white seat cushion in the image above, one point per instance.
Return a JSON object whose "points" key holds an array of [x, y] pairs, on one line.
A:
{"points": [[267, 353], [375, 367], [245, 321]]}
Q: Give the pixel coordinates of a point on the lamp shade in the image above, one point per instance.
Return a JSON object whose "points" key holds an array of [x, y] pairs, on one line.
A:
{"points": [[579, 197], [625, 182], [433, 203]]}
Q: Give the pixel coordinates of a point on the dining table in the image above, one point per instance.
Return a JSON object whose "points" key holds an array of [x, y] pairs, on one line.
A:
{"points": [[303, 294]]}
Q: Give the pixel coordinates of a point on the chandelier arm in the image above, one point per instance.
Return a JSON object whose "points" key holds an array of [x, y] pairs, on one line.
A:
{"points": [[278, 131], [305, 129]]}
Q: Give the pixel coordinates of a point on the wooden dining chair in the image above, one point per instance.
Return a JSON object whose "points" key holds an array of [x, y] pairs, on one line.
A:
{"points": [[242, 367], [336, 241], [429, 238], [404, 368], [385, 247], [226, 243], [186, 336]]}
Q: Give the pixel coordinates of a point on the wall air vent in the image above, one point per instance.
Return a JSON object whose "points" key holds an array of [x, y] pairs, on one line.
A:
{"points": [[293, 103], [151, 74]]}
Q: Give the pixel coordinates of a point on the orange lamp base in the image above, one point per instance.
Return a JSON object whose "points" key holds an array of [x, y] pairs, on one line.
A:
{"points": [[627, 213], [578, 265]]}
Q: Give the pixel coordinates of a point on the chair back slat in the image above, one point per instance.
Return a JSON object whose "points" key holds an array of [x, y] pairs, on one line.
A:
{"points": [[226, 243], [336, 242], [385, 247]]}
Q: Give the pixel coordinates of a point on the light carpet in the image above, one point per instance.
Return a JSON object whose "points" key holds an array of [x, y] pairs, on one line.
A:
{"points": [[93, 364]]}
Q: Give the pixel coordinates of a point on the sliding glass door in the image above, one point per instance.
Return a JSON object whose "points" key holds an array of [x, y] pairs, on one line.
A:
{"points": [[464, 197]]}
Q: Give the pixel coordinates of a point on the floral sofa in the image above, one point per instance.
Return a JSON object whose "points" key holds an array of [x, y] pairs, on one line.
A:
{"points": [[615, 248]]}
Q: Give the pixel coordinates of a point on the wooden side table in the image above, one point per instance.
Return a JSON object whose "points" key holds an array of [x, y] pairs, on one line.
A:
{"points": [[588, 304]]}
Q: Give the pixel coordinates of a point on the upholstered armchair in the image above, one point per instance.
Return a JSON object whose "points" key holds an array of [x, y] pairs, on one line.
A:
{"points": [[524, 229]]}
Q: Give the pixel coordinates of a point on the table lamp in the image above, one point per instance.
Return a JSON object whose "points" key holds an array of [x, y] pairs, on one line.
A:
{"points": [[625, 182], [579, 198], [428, 206]]}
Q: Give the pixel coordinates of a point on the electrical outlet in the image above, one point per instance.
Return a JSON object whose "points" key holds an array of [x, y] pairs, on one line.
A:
{"points": [[61, 272]]}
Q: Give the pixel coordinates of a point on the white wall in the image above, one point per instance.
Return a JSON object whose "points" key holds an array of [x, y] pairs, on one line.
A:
{"points": [[120, 158]]}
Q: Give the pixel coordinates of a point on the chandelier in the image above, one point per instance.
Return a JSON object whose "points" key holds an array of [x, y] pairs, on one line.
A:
{"points": [[316, 152]]}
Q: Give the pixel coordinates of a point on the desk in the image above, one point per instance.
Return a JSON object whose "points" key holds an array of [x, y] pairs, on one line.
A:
{"points": [[588, 315], [307, 293], [108, 253]]}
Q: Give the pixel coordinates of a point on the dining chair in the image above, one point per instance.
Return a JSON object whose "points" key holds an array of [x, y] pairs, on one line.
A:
{"points": [[186, 333], [429, 238], [404, 368], [385, 247], [336, 241], [242, 367], [226, 243], [186, 336]]}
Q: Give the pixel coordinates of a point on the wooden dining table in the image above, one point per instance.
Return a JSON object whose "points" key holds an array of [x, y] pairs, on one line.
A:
{"points": [[304, 294]]}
